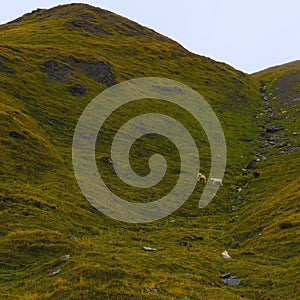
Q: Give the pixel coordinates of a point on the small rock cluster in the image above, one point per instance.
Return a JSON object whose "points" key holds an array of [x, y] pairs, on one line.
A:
{"points": [[273, 135], [230, 280], [61, 70]]}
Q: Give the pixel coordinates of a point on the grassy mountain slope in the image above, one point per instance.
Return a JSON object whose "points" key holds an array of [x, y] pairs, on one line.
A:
{"points": [[52, 64], [268, 224]]}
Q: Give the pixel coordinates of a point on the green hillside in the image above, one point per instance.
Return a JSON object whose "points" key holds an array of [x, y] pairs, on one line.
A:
{"points": [[55, 245]]}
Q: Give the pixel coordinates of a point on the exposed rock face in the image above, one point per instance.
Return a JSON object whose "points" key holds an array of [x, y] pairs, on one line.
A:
{"points": [[77, 90], [99, 71], [56, 70], [60, 69], [87, 26]]}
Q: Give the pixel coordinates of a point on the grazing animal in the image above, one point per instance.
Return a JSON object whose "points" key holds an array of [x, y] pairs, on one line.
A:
{"points": [[201, 178], [217, 181]]}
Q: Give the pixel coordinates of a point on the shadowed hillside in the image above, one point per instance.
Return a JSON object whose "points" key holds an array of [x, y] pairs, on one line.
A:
{"points": [[55, 245]]}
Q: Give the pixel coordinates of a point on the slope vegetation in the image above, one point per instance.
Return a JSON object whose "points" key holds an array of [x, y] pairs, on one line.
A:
{"points": [[55, 245]]}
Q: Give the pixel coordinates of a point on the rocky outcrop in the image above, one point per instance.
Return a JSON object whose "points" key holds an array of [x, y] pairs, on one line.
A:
{"points": [[77, 90], [97, 70], [87, 26], [60, 69], [56, 70]]}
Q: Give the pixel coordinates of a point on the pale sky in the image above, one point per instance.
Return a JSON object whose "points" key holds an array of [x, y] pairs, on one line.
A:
{"points": [[250, 35]]}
